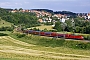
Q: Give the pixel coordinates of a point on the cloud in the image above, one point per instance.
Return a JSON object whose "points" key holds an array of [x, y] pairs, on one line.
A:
{"points": [[5, 4], [87, 4], [18, 4], [10, 5], [82, 4], [58, 0], [26, 2], [73, 5]]}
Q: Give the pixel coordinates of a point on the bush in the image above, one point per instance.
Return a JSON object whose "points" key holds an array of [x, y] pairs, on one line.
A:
{"points": [[45, 30], [54, 42], [81, 46], [20, 35], [6, 29], [53, 30], [48, 23], [87, 37], [37, 29], [2, 34]]}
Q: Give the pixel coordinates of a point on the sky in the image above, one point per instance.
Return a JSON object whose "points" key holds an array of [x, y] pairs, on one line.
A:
{"points": [[78, 6]]}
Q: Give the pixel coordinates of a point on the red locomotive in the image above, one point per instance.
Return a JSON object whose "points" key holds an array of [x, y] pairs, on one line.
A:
{"points": [[54, 34]]}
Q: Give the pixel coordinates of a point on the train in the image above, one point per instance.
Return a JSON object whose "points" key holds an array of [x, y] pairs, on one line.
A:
{"points": [[54, 34]]}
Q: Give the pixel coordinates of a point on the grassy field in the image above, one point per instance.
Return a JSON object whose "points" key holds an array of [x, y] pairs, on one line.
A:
{"points": [[32, 48], [42, 27], [28, 49], [12, 49], [4, 23], [5, 32]]}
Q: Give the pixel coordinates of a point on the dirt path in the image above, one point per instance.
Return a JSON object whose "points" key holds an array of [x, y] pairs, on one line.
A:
{"points": [[37, 53]]}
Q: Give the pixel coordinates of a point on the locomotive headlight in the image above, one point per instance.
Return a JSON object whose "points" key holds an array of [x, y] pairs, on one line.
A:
{"points": [[82, 37]]}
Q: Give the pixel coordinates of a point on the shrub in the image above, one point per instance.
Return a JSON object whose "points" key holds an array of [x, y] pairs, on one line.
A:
{"points": [[85, 37], [81, 46], [53, 30], [6, 29], [88, 37], [37, 29], [20, 35], [2, 34], [51, 42]]}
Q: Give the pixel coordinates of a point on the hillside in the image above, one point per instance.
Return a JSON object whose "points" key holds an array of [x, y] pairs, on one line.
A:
{"points": [[69, 13], [4, 23], [19, 18], [12, 49], [46, 10]]}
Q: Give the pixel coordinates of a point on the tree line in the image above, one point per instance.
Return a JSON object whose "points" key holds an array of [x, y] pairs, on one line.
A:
{"points": [[81, 26], [26, 19]]}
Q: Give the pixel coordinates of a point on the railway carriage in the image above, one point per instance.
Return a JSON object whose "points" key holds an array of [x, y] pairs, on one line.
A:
{"points": [[54, 34]]}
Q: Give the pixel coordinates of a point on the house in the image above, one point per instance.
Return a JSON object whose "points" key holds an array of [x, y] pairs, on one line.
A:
{"points": [[88, 15], [13, 11], [40, 20], [49, 19], [60, 16], [62, 20]]}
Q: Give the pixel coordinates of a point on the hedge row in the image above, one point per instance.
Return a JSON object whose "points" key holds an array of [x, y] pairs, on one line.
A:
{"points": [[2, 34], [53, 42]]}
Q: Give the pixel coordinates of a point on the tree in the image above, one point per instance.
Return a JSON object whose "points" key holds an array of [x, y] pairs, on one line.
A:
{"points": [[0, 21], [16, 9], [88, 29], [77, 30], [58, 26], [20, 9], [28, 19], [70, 26]]}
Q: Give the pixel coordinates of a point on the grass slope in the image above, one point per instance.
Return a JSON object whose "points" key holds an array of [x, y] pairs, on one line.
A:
{"points": [[4, 23], [42, 27], [12, 49], [5, 32]]}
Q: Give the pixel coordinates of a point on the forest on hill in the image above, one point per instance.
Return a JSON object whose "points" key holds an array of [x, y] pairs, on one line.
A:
{"points": [[47, 10], [69, 13], [19, 18]]}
